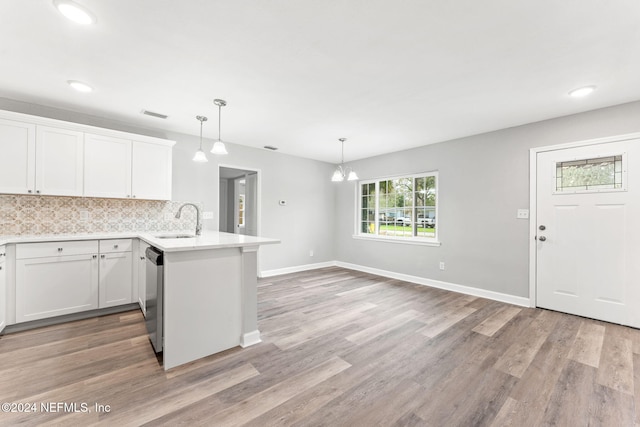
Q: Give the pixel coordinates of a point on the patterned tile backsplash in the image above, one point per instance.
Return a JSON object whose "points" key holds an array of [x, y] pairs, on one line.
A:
{"points": [[33, 215]]}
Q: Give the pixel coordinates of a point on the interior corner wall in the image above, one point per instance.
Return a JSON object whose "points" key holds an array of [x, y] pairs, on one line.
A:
{"points": [[305, 223], [483, 181]]}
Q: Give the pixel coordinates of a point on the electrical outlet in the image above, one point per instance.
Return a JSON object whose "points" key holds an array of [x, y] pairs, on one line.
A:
{"points": [[311, 252], [523, 214], [207, 215], [168, 216], [84, 215], [441, 265]]}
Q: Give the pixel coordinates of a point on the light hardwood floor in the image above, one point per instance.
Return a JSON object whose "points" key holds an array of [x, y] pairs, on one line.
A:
{"points": [[340, 348]]}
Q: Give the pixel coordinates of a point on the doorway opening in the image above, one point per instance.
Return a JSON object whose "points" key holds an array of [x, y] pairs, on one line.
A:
{"points": [[239, 200]]}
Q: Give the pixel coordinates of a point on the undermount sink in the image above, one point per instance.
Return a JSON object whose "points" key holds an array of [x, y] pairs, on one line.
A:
{"points": [[175, 236]]}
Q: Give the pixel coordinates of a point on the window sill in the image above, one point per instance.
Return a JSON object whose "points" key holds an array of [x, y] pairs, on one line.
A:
{"points": [[398, 240]]}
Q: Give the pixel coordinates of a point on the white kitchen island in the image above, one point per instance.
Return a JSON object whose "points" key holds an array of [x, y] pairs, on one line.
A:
{"points": [[210, 294]]}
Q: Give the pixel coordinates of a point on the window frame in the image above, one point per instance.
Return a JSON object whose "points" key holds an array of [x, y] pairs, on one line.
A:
{"points": [[412, 240]]}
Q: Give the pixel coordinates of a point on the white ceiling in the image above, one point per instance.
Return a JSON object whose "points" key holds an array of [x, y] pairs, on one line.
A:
{"points": [[299, 74]]}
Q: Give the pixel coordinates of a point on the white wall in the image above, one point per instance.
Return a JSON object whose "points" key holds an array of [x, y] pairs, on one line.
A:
{"points": [[484, 179]]}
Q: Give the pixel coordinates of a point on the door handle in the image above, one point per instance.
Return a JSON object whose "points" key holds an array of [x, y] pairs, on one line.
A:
{"points": [[542, 238]]}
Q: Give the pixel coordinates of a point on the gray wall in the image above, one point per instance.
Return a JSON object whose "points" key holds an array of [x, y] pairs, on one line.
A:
{"points": [[484, 179], [305, 223]]}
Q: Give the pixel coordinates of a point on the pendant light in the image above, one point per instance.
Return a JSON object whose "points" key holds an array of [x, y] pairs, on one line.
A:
{"points": [[341, 172], [218, 146], [200, 157]]}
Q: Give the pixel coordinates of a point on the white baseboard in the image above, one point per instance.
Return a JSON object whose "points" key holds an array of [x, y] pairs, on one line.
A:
{"points": [[468, 290], [296, 269], [250, 338]]}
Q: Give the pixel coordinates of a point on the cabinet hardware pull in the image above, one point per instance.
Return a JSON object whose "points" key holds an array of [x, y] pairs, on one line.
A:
{"points": [[115, 246], [59, 249], [95, 256], [102, 256], [141, 258], [38, 191], [29, 191], [0, 267]]}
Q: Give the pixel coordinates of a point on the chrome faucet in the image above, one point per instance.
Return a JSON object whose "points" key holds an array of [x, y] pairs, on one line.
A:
{"points": [[198, 222]]}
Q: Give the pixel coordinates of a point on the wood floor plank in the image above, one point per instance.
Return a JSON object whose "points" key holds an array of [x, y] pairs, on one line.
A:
{"points": [[636, 387], [494, 323], [166, 403], [266, 400], [382, 327], [588, 344], [444, 322], [616, 364], [571, 402], [518, 357]]}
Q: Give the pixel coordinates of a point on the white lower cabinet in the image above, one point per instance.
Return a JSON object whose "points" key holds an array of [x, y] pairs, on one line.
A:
{"points": [[57, 278], [53, 286], [115, 279], [3, 288], [142, 276]]}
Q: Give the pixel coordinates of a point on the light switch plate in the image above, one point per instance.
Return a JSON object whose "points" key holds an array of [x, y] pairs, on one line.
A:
{"points": [[207, 215], [523, 214]]}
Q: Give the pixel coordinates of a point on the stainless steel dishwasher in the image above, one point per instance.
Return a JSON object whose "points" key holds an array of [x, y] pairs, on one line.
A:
{"points": [[153, 297]]}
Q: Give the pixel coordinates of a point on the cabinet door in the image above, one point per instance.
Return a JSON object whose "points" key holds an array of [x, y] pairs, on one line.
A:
{"points": [[47, 287], [107, 166], [142, 276], [151, 171], [3, 289], [115, 279], [17, 157], [59, 161]]}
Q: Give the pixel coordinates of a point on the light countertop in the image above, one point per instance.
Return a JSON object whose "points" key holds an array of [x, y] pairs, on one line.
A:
{"points": [[208, 239]]}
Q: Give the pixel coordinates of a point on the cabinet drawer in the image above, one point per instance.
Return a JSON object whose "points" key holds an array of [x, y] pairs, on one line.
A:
{"points": [[115, 245], [48, 249]]}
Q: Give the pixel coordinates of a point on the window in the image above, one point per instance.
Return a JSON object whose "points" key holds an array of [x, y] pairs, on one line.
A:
{"points": [[590, 175], [401, 208]]}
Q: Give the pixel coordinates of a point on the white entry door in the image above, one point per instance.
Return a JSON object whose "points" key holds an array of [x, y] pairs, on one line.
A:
{"points": [[588, 231]]}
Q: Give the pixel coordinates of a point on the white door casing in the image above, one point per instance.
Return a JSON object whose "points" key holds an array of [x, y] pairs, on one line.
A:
{"points": [[588, 262]]}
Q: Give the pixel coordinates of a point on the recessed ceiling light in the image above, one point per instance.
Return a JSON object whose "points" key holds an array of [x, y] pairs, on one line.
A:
{"points": [[75, 12], [79, 86], [583, 91]]}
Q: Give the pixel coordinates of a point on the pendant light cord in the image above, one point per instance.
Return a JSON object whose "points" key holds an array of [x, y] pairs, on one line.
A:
{"points": [[219, 121], [201, 135]]}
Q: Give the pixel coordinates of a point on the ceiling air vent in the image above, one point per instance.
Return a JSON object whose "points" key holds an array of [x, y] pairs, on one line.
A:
{"points": [[270, 147], [152, 114]]}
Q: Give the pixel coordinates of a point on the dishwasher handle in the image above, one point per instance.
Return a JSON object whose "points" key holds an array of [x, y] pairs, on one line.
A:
{"points": [[155, 256]]}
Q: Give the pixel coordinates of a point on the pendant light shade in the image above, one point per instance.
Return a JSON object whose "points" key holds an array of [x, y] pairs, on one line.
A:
{"points": [[200, 156], [341, 172], [218, 146]]}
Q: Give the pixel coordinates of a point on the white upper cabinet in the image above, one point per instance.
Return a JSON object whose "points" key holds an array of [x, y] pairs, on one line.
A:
{"points": [[151, 171], [107, 166], [17, 157], [59, 161], [51, 157]]}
